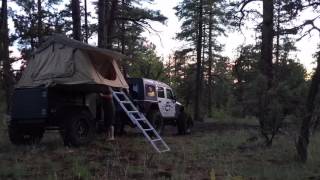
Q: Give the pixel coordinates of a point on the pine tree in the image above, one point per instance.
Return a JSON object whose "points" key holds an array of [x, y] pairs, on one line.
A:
{"points": [[212, 25], [198, 67], [86, 27], [4, 54], [34, 22], [76, 19], [101, 23]]}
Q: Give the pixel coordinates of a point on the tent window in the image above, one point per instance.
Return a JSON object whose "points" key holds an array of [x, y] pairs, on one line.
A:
{"points": [[103, 66]]}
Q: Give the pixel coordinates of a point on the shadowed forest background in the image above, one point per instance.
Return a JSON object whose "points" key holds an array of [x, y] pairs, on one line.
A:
{"points": [[263, 98]]}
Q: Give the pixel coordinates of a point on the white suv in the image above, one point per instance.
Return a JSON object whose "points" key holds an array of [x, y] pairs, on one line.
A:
{"points": [[158, 102]]}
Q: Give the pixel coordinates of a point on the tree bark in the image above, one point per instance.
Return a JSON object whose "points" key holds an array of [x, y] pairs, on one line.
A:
{"points": [[265, 66], [39, 22], [86, 37], [210, 63], [267, 41], [278, 34], [111, 20], [123, 45], [198, 65], [303, 140], [76, 19], [4, 55], [102, 42]]}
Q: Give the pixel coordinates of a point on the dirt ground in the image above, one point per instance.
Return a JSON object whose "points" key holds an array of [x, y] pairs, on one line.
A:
{"points": [[213, 151]]}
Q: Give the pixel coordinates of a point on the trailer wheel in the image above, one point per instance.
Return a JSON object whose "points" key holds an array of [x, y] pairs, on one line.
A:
{"points": [[156, 120], [25, 136], [78, 128]]}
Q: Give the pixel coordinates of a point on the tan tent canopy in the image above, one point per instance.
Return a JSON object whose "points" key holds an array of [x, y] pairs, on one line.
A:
{"points": [[62, 61]]}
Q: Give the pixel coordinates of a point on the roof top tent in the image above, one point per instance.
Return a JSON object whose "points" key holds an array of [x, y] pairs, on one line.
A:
{"points": [[63, 62]]}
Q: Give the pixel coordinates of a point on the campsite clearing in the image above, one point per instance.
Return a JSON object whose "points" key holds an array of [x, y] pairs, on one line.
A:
{"points": [[223, 150]]}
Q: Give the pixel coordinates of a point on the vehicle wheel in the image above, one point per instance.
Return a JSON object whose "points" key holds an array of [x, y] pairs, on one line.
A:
{"points": [[182, 123], [78, 129], [28, 136], [157, 122]]}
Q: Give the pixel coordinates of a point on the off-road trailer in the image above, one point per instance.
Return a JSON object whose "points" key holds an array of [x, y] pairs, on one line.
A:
{"points": [[60, 89]]}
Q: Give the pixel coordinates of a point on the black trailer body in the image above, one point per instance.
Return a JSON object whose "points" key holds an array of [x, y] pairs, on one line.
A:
{"points": [[63, 108]]}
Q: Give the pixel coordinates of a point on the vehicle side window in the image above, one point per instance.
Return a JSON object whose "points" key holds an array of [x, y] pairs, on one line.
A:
{"points": [[160, 92], [150, 91], [169, 94]]}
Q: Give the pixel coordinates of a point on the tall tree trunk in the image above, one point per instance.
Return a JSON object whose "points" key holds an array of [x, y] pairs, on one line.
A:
{"points": [[4, 54], [303, 140], [278, 33], [123, 45], [204, 41], [210, 63], [198, 70], [169, 69], [267, 41], [101, 23], [123, 31], [265, 66], [76, 19], [111, 20], [175, 65], [39, 22], [86, 37]]}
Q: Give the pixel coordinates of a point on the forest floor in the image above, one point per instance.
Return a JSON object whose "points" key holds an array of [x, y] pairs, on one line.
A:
{"points": [[215, 150]]}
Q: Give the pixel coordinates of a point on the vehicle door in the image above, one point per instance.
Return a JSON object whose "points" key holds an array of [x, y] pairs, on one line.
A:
{"points": [[166, 102], [171, 103], [162, 101]]}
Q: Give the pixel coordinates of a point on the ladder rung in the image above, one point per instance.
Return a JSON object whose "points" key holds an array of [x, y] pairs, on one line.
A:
{"points": [[149, 129], [126, 102], [153, 140], [133, 111], [165, 150], [141, 119]]}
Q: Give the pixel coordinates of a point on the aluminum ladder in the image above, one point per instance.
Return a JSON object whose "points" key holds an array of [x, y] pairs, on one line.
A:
{"points": [[141, 122]]}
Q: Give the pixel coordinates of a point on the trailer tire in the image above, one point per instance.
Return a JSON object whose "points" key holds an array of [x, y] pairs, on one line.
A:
{"points": [[78, 128], [25, 136]]}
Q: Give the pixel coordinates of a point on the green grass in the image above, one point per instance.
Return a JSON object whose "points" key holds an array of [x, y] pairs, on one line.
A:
{"points": [[227, 153], [80, 169], [221, 116], [15, 171]]}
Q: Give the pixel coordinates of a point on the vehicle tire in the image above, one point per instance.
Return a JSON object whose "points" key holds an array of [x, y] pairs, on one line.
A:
{"points": [[182, 123], [25, 136], [156, 121], [78, 128]]}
